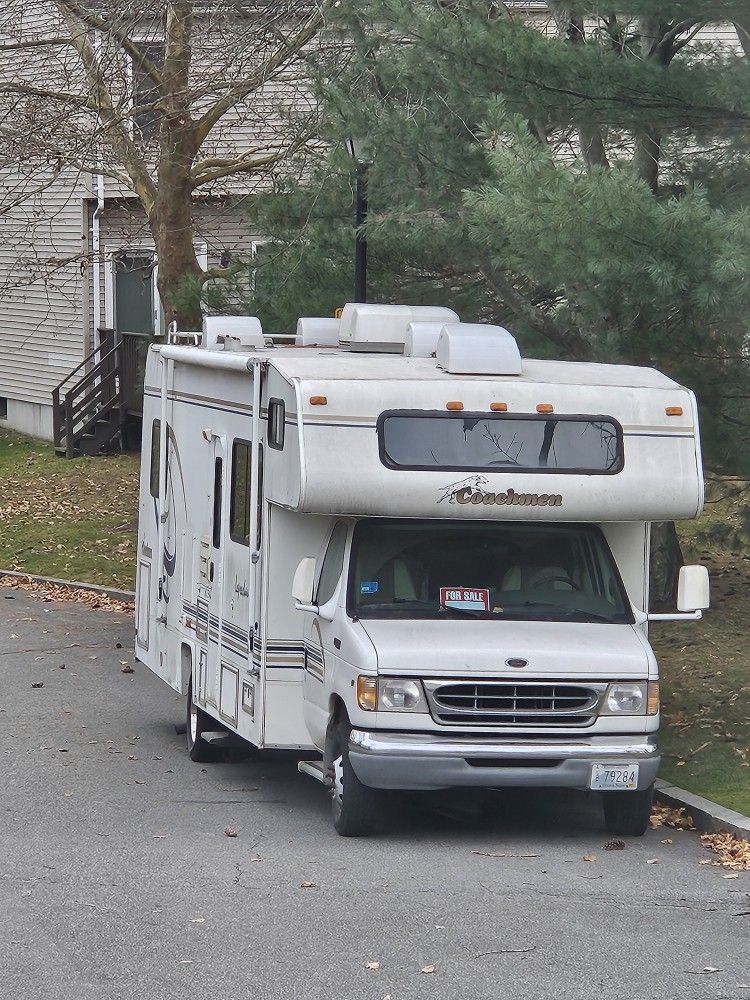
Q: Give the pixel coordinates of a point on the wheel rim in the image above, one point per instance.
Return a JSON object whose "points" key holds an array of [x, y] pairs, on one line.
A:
{"points": [[193, 723], [337, 788]]}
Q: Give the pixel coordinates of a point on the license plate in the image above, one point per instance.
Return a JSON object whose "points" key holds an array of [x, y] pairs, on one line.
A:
{"points": [[611, 777]]}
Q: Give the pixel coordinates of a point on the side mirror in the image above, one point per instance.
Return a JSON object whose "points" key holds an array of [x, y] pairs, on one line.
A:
{"points": [[693, 589], [303, 584]]}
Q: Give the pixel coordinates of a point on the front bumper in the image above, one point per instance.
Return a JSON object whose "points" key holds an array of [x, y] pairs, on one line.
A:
{"points": [[420, 761]]}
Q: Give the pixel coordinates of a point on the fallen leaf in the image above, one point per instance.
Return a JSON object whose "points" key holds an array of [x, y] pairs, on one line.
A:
{"points": [[614, 845], [428, 969], [590, 858], [308, 885], [667, 840], [732, 875], [229, 831], [198, 920], [373, 966], [127, 669], [652, 861], [37, 684]]}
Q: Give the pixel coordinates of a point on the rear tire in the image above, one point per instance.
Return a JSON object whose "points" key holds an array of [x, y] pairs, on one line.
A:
{"points": [[628, 813], [198, 723], [354, 806]]}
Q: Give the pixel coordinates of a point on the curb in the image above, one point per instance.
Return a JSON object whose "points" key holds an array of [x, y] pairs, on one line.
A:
{"points": [[117, 595], [708, 816]]}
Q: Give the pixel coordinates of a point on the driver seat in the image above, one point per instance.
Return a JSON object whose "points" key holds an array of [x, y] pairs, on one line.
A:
{"points": [[537, 578]]}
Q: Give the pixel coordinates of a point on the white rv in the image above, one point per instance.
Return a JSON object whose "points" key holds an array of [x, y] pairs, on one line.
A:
{"points": [[396, 543]]}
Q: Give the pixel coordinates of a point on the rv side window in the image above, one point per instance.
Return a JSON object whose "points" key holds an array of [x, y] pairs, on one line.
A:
{"points": [[155, 458], [276, 417], [333, 563], [218, 479], [260, 497], [239, 515]]}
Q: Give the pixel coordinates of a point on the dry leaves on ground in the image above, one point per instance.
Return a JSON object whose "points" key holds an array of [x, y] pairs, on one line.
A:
{"points": [[663, 815], [732, 852], [53, 592]]}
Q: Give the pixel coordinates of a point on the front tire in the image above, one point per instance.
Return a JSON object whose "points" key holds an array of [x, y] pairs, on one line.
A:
{"points": [[354, 806], [198, 723], [627, 813]]}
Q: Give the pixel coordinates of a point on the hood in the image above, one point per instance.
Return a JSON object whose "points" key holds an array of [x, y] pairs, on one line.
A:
{"points": [[582, 650]]}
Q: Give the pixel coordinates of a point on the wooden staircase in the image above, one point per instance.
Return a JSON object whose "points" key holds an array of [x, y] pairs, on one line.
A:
{"points": [[89, 406]]}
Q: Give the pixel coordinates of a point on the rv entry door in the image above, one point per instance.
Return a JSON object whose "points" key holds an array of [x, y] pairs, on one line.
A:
{"points": [[209, 574]]}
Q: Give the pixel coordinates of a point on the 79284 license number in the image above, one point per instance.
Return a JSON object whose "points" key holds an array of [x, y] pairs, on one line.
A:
{"points": [[614, 777]]}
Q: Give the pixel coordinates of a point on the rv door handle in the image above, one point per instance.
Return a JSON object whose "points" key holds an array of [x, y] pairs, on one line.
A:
{"points": [[211, 571]]}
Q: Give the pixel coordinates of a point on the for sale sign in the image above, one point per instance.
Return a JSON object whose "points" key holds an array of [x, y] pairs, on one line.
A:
{"points": [[467, 598]]}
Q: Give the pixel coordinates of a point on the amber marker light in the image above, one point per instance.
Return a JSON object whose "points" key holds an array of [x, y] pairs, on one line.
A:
{"points": [[367, 693], [498, 407], [652, 707], [673, 411], [545, 408], [454, 404], [318, 400]]}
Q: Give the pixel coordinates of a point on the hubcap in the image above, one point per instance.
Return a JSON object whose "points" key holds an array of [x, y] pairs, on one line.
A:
{"points": [[337, 788], [193, 723]]}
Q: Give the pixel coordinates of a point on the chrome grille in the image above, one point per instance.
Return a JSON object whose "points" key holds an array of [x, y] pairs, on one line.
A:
{"points": [[528, 703]]}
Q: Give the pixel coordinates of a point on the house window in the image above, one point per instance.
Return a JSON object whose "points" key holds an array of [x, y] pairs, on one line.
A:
{"points": [[146, 97], [276, 419], [155, 459], [3, 407]]}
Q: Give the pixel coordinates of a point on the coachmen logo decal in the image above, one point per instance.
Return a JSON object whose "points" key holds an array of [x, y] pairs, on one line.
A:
{"points": [[473, 490]]}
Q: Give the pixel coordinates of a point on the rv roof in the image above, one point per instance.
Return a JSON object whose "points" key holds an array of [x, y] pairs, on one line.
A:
{"points": [[312, 363]]}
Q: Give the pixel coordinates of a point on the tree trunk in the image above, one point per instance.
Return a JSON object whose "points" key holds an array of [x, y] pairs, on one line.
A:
{"points": [[172, 216], [666, 559]]}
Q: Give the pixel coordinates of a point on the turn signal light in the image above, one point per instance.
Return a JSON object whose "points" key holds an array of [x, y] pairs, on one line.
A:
{"points": [[545, 408], [318, 400], [454, 405], [673, 411], [367, 693], [652, 707]]}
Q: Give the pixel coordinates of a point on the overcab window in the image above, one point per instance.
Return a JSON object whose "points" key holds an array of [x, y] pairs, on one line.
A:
{"points": [[498, 442]]}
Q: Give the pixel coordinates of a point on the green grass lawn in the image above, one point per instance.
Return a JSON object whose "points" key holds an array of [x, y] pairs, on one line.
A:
{"points": [[705, 668], [77, 519], [68, 518]]}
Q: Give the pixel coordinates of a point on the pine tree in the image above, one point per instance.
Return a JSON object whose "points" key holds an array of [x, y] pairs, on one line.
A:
{"points": [[581, 178]]}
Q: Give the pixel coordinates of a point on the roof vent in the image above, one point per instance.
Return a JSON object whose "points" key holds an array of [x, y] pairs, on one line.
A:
{"points": [[366, 327], [320, 331], [477, 349], [232, 332], [421, 339]]}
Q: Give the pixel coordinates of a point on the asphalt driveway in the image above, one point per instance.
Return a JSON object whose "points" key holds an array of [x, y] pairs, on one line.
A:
{"points": [[117, 879]]}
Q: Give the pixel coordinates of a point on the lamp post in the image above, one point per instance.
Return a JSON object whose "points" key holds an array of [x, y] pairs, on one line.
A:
{"points": [[358, 150]]}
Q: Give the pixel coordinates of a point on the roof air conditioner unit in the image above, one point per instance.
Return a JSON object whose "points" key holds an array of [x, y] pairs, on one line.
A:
{"points": [[421, 339], [232, 332], [478, 349], [367, 327], [320, 331]]}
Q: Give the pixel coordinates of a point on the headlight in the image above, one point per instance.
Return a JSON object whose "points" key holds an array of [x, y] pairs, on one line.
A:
{"points": [[396, 694], [625, 699]]}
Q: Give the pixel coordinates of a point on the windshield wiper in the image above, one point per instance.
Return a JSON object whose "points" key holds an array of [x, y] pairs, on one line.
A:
{"points": [[562, 610], [404, 602]]}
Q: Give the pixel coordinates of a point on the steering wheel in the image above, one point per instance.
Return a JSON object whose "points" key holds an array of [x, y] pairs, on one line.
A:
{"points": [[556, 579]]}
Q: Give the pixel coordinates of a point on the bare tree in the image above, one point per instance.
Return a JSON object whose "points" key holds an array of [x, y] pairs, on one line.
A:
{"points": [[169, 100]]}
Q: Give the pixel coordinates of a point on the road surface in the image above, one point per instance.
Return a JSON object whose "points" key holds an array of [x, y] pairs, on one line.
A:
{"points": [[117, 880]]}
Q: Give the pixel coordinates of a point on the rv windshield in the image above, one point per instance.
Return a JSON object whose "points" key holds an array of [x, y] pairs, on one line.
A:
{"points": [[440, 569]]}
